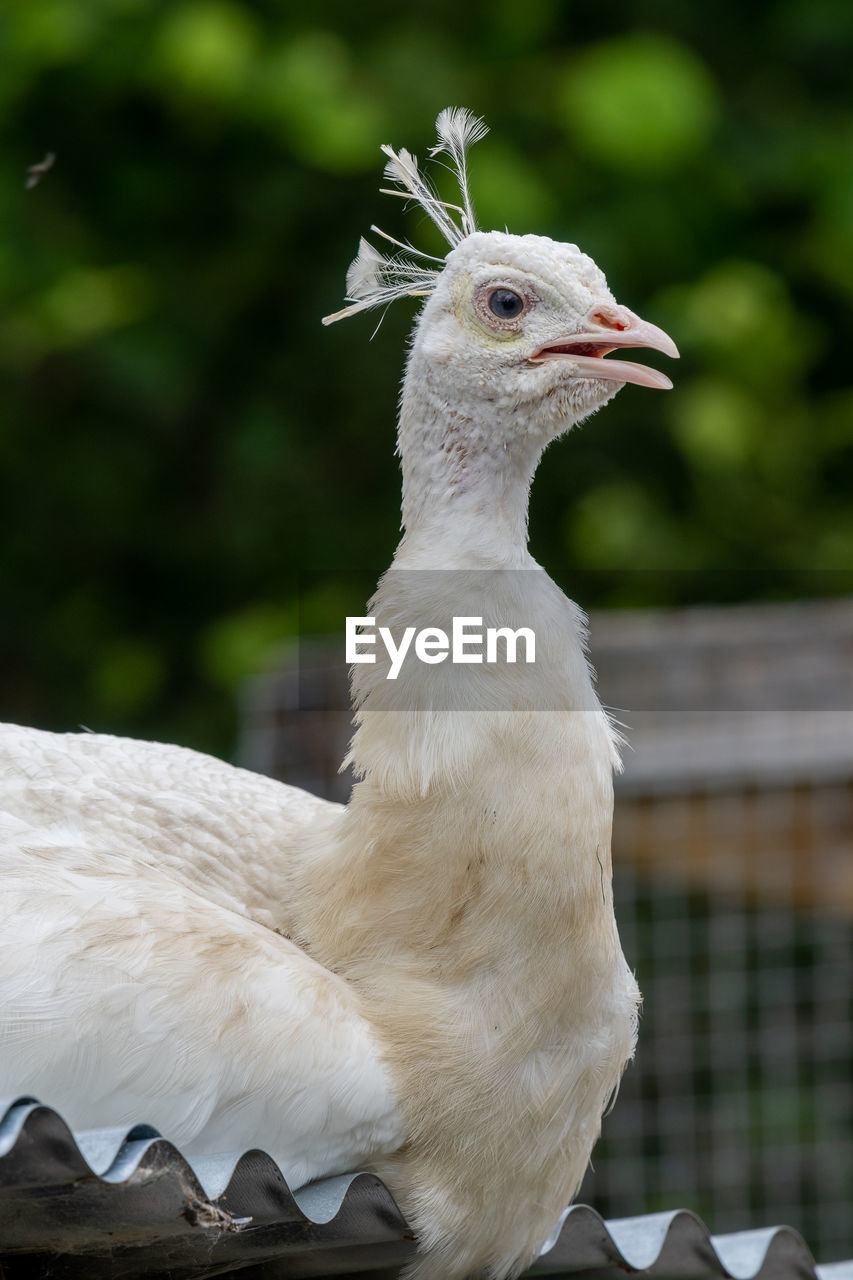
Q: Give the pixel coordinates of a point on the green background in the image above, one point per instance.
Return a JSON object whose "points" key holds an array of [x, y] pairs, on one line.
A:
{"points": [[192, 467]]}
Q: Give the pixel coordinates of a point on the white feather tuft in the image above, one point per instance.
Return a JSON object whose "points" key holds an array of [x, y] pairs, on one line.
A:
{"points": [[373, 279], [458, 130], [402, 169], [364, 276]]}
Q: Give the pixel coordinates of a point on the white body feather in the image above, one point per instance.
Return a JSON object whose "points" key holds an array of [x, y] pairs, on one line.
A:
{"points": [[140, 975]]}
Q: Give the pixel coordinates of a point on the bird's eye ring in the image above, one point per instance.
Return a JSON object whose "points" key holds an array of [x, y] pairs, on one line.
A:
{"points": [[505, 304]]}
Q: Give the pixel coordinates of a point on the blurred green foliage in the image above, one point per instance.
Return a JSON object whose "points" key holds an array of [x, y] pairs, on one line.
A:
{"points": [[190, 464]]}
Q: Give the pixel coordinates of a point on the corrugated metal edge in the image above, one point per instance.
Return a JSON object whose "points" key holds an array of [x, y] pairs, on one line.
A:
{"points": [[160, 1196]]}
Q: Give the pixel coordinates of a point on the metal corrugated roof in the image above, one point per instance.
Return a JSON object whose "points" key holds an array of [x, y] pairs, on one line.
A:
{"points": [[124, 1202]]}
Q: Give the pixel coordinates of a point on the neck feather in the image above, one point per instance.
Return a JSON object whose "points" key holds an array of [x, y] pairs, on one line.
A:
{"points": [[464, 766], [467, 464]]}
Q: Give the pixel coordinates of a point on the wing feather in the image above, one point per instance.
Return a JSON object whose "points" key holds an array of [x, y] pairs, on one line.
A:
{"points": [[140, 979]]}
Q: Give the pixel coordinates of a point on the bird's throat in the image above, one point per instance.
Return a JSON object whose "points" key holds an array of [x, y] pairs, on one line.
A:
{"points": [[467, 470]]}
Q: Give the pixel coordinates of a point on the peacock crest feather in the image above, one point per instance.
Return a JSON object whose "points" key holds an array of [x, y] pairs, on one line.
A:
{"points": [[374, 280]]}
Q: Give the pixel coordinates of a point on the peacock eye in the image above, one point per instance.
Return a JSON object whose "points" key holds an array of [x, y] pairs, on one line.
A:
{"points": [[505, 304]]}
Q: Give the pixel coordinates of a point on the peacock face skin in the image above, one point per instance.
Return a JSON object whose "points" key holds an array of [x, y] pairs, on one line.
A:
{"points": [[526, 322]]}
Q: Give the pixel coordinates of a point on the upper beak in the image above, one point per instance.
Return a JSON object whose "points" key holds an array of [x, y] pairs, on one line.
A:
{"points": [[607, 328]]}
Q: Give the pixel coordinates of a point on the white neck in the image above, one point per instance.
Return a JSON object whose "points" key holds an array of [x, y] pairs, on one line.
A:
{"points": [[465, 890], [467, 469], [425, 737]]}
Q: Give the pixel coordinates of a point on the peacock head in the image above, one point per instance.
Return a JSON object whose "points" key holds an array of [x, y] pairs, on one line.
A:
{"points": [[513, 322]]}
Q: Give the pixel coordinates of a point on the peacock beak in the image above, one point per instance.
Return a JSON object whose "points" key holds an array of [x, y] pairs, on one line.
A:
{"points": [[608, 328]]}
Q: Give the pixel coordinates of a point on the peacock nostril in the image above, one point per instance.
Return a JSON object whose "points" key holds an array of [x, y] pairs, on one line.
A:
{"points": [[609, 320]]}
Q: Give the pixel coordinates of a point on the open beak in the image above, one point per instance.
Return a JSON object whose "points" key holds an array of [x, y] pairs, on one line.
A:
{"points": [[609, 328]]}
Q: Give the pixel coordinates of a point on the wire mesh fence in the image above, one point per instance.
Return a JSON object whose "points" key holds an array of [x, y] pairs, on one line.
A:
{"points": [[740, 1101], [733, 849]]}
